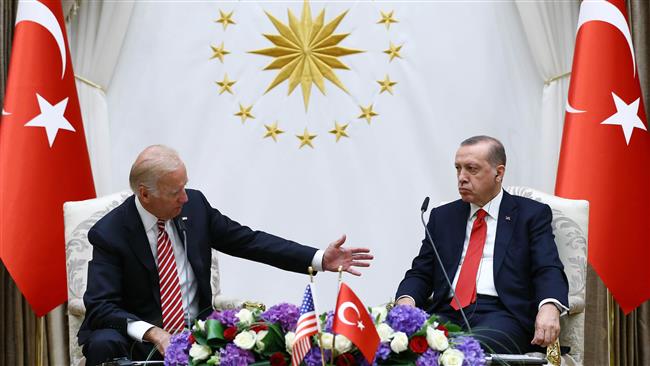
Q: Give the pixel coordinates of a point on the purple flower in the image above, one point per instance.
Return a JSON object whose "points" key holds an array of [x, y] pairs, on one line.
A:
{"points": [[471, 349], [383, 352], [225, 317], [178, 351], [428, 358], [407, 319], [285, 314], [313, 357], [329, 321], [232, 355]]}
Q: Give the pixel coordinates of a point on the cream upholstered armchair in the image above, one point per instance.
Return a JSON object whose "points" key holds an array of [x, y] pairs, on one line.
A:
{"points": [[570, 225], [79, 217]]}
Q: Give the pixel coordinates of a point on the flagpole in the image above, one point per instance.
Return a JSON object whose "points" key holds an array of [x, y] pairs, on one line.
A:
{"points": [[320, 331], [340, 269]]}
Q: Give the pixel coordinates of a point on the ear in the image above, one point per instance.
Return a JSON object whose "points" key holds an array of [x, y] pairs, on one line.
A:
{"points": [[143, 193], [501, 171]]}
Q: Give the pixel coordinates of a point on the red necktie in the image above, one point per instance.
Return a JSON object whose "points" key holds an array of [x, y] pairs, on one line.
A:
{"points": [[466, 285], [170, 288]]}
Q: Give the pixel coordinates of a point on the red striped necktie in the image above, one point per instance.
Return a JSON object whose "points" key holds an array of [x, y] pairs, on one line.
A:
{"points": [[466, 285], [170, 287]]}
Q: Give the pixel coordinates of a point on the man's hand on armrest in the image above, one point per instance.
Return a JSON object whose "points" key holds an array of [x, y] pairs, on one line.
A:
{"points": [[159, 337], [547, 325]]}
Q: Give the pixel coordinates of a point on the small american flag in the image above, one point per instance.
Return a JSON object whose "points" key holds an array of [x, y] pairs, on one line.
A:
{"points": [[307, 327]]}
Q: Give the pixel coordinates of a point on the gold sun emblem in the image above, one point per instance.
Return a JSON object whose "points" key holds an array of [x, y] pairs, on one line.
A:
{"points": [[306, 51]]}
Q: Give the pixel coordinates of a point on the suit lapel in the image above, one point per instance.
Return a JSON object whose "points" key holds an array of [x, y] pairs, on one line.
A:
{"points": [[505, 226], [458, 228], [140, 246]]}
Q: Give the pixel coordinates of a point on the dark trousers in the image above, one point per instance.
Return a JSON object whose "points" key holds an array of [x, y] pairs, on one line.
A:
{"points": [[107, 344], [493, 326]]}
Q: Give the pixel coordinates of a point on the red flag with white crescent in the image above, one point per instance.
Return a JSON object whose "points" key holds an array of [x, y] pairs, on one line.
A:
{"points": [[43, 156], [352, 320], [605, 154]]}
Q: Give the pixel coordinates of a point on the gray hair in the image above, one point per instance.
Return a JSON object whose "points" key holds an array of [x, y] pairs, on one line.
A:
{"points": [[497, 153], [150, 165]]}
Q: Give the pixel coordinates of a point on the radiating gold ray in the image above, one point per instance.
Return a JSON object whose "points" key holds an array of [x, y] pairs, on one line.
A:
{"points": [[306, 52]]}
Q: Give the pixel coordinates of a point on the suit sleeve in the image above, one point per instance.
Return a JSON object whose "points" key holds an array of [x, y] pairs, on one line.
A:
{"points": [[418, 281], [103, 297], [547, 271], [238, 240]]}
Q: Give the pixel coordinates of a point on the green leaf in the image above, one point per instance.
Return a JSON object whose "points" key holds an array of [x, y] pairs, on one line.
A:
{"points": [[261, 363], [214, 330]]}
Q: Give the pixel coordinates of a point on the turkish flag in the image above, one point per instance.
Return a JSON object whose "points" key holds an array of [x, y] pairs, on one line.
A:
{"points": [[352, 320], [605, 154], [43, 155]]}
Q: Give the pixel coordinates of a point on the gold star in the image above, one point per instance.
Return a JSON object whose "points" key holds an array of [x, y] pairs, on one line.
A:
{"points": [[306, 52], [273, 131], [339, 130], [225, 84], [218, 52], [244, 112], [387, 18], [367, 113], [393, 51], [305, 139], [225, 19], [386, 85]]}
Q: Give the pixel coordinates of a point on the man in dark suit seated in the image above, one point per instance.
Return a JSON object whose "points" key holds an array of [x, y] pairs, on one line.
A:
{"points": [[141, 283], [499, 252]]}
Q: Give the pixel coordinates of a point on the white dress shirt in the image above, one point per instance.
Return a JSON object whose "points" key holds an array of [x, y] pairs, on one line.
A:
{"points": [[189, 286]]}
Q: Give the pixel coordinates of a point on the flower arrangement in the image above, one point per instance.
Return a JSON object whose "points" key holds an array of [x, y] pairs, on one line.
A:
{"points": [[241, 337]]}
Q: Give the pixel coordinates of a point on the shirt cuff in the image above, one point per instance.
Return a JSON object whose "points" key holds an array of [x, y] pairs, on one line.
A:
{"points": [[317, 261], [137, 328], [405, 297], [563, 309]]}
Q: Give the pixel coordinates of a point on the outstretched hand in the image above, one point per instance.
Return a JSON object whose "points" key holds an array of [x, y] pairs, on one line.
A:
{"points": [[335, 256]]}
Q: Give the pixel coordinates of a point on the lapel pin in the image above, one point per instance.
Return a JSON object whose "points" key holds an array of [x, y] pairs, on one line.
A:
{"points": [[507, 218]]}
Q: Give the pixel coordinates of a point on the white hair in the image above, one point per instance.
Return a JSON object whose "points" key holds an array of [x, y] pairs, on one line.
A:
{"points": [[150, 165]]}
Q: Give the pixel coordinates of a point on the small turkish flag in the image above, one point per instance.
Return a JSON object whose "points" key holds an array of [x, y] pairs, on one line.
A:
{"points": [[605, 151], [43, 155], [352, 320]]}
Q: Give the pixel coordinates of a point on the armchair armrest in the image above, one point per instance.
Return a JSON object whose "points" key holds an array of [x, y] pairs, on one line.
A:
{"points": [[76, 307]]}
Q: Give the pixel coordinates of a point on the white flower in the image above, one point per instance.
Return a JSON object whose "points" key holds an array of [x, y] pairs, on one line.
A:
{"points": [[200, 325], [400, 342], [245, 340], [452, 357], [288, 340], [199, 352], [385, 332], [326, 340], [436, 339], [259, 344], [378, 313], [245, 317], [342, 344]]}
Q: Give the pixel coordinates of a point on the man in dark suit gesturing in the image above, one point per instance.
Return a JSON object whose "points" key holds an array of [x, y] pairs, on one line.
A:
{"points": [[499, 252], [141, 283]]}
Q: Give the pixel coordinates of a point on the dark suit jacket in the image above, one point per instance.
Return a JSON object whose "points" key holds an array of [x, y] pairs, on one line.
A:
{"points": [[123, 278], [527, 268]]}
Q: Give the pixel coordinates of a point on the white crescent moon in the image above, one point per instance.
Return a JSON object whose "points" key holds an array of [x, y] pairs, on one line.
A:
{"points": [[341, 312], [37, 12], [604, 11]]}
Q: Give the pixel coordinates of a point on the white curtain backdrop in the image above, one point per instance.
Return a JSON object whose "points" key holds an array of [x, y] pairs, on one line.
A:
{"points": [[465, 69], [96, 35], [550, 30]]}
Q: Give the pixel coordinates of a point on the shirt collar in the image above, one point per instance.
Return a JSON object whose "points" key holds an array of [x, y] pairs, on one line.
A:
{"points": [[149, 221], [492, 207]]}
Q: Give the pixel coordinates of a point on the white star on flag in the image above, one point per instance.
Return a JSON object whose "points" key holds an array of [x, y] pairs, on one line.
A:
{"points": [[51, 118], [626, 116], [360, 325]]}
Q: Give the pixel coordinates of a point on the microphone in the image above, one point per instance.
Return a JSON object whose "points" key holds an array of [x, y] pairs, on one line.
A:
{"points": [[183, 229], [423, 209]]}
